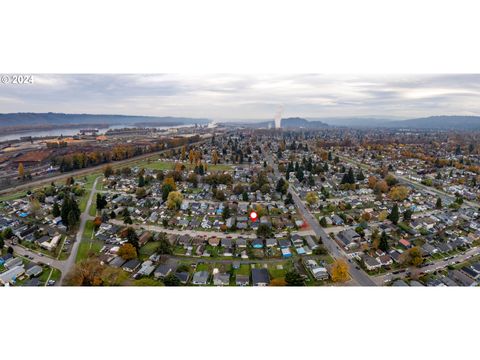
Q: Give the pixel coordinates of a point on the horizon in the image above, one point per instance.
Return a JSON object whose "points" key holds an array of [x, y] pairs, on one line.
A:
{"points": [[256, 96]]}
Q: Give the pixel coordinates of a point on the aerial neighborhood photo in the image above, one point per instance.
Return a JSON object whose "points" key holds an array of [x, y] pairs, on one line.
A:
{"points": [[239, 181]]}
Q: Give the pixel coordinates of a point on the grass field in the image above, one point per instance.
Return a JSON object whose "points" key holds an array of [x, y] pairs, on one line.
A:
{"points": [[13, 196], [88, 244], [165, 165]]}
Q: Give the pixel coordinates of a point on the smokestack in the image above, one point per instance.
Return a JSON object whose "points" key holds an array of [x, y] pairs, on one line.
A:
{"points": [[278, 118]]}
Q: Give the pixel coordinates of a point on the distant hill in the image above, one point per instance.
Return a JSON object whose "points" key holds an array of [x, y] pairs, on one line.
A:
{"points": [[296, 122], [18, 119], [439, 122]]}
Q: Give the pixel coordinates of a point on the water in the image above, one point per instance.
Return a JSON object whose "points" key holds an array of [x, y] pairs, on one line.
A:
{"points": [[73, 131]]}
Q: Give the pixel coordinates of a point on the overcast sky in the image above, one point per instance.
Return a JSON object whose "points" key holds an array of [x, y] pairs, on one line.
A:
{"points": [[225, 96]]}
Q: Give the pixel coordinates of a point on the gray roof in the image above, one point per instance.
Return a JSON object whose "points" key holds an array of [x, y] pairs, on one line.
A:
{"points": [[260, 276]]}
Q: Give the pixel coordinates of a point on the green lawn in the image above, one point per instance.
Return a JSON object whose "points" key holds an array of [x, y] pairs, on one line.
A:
{"points": [[148, 249], [56, 274], [93, 208], [12, 196], [88, 244], [165, 165]]}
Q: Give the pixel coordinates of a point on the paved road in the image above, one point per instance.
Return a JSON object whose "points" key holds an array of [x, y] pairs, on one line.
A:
{"points": [[428, 189], [358, 276], [219, 234], [437, 265], [70, 262], [63, 265], [21, 251]]}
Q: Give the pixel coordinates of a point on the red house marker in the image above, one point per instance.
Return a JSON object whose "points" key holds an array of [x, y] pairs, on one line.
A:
{"points": [[253, 216]]}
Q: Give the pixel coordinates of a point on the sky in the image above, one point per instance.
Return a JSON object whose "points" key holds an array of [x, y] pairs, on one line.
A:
{"points": [[243, 97]]}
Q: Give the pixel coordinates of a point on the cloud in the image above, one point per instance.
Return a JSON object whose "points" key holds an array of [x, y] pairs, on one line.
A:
{"points": [[238, 96]]}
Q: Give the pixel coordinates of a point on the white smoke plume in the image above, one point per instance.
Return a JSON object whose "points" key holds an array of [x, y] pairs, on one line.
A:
{"points": [[278, 118]]}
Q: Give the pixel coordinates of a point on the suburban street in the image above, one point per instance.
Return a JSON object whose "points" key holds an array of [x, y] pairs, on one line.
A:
{"points": [[195, 232], [430, 190], [63, 265], [70, 262], [358, 276], [437, 265]]}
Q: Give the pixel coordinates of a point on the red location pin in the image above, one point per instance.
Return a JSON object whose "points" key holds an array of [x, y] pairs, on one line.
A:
{"points": [[253, 216]]}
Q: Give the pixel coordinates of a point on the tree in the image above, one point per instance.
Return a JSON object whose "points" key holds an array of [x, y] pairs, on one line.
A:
{"points": [[323, 222], [164, 246], [394, 216], [413, 256], [127, 252], [141, 181], [293, 278], [70, 212], [34, 206], [140, 192], [360, 176], [383, 242], [132, 237], [2, 242], [438, 204], [97, 222], [282, 186], [168, 186], [56, 210], [391, 180], [399, 193], [311, 198], [174, 200], [88, 272], [407, 215], [171, 280], [289, 199], [101, 202], [7, 233], [340, 271], [107, 171], [214, 157], [21, 171], [264, 231], [348, 177]]}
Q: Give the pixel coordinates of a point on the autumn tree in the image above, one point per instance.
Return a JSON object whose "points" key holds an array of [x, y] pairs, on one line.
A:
{"points": [[108, 171], [97, 222], [174, 200], [127, 251], [183, 155], [399, 193], [412, 257], [21, 171], [215, 157], [168, 185], [311, 198], [340, 271]]}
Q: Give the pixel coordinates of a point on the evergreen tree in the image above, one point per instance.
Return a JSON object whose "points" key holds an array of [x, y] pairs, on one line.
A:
{"points": [[394, 215], [141, 181], [348, 177], [56, 210], [438, 204], [360, 176], [323, 222], [383, 242]]}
